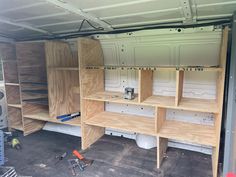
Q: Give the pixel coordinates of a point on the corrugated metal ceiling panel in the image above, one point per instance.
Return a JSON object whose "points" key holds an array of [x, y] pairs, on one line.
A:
{"points": [[45, 17]]}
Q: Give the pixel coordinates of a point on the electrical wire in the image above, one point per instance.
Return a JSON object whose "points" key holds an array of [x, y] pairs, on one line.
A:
{"points": [[79, 33], [90, 24]]}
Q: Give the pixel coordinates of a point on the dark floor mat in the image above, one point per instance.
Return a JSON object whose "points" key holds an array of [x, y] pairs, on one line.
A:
{"points": [[114, 157]]}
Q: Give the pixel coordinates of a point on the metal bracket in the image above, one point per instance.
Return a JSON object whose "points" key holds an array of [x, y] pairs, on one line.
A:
{"points": [[187, 11]]}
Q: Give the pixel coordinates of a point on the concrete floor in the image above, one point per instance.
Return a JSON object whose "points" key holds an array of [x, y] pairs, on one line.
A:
{"points": [[114, 157]]}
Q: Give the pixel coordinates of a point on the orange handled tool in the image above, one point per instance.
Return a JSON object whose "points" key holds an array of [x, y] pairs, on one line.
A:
{"points": [[78, 155], [86, 162]]}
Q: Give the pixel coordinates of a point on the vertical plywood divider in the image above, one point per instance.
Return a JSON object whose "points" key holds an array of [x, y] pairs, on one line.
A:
{"points": [[161, 116], [145, 84], [61, 83], [31, 125], [90, 54], [179, 86], [161, 142], [220, 100]]}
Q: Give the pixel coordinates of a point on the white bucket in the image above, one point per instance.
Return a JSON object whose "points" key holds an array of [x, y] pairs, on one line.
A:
{"points": [[146, 141]]}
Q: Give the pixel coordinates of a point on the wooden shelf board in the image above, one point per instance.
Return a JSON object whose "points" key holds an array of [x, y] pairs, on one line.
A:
{"points": [[158, 100], [125, 122], [115, 97], [17, 127], [15, 105], [12, 84], [44, 116], [34, 83], [65, 68], [39, 91], [188, 104], [173, 68], [203, 105], [40, 101], [188, 132]]}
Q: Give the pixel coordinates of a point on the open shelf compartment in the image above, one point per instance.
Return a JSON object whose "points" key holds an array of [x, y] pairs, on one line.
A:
{"points": [[40, 112], [188, 132], [63, 78], [13, 94], [15, 118], [146, 96], [124, 122], [191, 103], [185, 131]]}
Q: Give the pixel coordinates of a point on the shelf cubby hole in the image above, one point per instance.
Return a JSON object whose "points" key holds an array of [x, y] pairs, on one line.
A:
{"points": [[196, 101], [12, 94], [10, 72], [185, 131], [15, 118], [146, 82], [118, 120]]}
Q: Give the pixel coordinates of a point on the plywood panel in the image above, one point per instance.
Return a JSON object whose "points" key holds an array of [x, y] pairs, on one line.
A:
{"points": [[10, 72], [7, 51], [31, 126], [30, 53], [92, 81], [15, 117], [162, 144], [62, 99], [33, 73], [13, 94], [59, 54], [40, 112], [179, 86], [91, 134], [125, 122], [34, 94], [165, 101], [220, 100], [61, 82], [202, 105], [188, 132], [145, 84], [160, 118], [114, 97], [90, 52]]}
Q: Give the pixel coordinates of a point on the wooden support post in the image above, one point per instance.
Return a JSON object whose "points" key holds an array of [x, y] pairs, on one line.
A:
{"points": [[179, 86], [160, 118], [90, 53], [161, 142], [145, 84], [220, 100]]}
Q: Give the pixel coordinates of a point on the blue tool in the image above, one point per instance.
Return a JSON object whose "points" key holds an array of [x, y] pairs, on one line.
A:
{"points": [[67, 117]]}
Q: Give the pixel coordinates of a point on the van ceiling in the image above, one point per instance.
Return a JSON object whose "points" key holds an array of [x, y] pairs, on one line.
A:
{"points": [[29, 19]]}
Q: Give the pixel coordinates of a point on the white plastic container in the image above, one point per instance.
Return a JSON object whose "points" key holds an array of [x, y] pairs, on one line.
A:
{"points": [[146, 141]]}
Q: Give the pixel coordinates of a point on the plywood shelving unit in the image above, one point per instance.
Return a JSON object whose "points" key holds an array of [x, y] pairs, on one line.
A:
{"points": [[11, 79], [32, 81], [93, 96], [30, 105]]}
